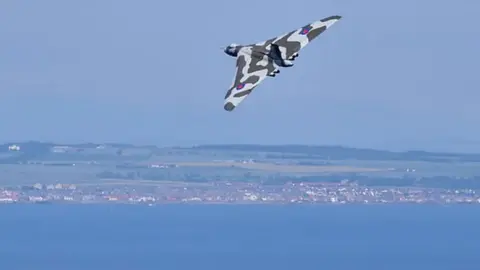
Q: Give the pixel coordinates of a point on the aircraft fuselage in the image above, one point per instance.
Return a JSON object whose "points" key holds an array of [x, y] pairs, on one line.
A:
{"points": [[274, 54]]}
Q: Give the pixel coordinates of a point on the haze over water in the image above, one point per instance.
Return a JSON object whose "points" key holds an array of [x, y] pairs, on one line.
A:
{"points": [[239, 237]]}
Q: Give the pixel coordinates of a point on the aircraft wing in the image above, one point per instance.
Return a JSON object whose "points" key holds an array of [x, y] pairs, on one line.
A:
{"points": [[292, 42], [252, 68]]}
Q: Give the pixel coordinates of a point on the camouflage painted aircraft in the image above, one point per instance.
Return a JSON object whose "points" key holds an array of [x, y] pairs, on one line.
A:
{"points": [[257, 61]]}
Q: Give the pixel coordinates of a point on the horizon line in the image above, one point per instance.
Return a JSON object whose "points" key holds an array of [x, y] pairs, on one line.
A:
{"points": [[234, 144]]}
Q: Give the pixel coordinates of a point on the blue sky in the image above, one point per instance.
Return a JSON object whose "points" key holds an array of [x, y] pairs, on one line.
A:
{"points": [[391, 74]]}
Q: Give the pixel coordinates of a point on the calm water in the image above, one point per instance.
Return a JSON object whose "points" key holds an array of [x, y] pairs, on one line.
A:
{"points": [[239, 237]]}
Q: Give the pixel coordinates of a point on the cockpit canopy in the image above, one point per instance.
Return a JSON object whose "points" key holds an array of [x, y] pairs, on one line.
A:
{"points": [[232, 50]]}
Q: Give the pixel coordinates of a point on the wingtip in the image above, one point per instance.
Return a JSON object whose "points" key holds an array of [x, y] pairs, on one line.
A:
{"points": [[334, 17], [229, 107]]}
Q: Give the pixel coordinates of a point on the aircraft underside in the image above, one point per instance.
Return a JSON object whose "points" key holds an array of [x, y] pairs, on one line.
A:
{"points": [[256, 61], [275, 55]]}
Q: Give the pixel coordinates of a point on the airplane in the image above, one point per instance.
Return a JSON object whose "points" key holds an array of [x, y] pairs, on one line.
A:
{"points": [[257, 61]]}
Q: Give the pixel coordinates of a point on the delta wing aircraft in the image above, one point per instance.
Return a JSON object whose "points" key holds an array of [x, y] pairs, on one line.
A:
{"points": [[257, 61]]}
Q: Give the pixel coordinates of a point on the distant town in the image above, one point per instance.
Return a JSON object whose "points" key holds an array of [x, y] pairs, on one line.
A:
{"points": [[225, 192], [37, 172]]}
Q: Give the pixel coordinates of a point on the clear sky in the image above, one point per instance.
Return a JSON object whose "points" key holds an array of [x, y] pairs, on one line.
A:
{"points": [[391, 74]]}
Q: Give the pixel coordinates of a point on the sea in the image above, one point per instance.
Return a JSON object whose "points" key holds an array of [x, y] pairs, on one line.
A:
{"points": [[177, 237]]}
